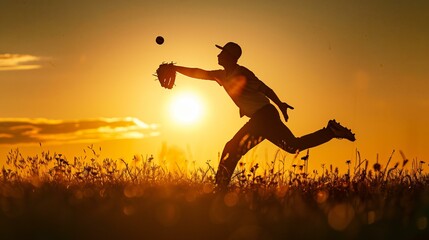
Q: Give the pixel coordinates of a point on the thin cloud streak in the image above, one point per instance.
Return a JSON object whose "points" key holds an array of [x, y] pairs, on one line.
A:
{"points": [[33, 131], [15, 62]]}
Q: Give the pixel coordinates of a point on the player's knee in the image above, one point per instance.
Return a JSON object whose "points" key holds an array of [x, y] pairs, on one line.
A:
{"points": [[291, 146], [294, 147], [292, 150]]}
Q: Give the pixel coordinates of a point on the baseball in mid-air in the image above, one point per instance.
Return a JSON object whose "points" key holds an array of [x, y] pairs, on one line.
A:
{"points": [[159, 40]]}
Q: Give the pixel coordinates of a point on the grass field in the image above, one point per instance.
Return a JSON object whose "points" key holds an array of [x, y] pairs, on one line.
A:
{"points": [[48, 196]]}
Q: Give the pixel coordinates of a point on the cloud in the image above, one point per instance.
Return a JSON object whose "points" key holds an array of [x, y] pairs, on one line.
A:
{"points": [[10, 62], [34, 131]]}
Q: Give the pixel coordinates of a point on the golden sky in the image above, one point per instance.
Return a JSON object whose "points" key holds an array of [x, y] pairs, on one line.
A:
{"points": [[79, 72]]}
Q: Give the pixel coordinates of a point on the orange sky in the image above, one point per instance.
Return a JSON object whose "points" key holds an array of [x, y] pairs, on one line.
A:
{"points": [[363, 63]]}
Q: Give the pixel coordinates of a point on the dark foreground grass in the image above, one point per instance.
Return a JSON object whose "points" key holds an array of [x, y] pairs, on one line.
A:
{"points": [[49, 197]]}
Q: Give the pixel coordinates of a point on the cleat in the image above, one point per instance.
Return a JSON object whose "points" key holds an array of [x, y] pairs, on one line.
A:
{"points": [[340, 132]]}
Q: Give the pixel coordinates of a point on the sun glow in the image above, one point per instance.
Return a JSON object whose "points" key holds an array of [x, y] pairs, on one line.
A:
{"points": [[186, 108]]}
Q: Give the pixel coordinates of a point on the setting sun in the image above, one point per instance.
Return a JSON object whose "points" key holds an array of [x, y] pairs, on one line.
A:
{"points": [[186, 108]]}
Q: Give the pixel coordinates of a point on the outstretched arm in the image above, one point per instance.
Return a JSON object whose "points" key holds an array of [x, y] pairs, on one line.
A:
{"points": [[273, 96], [197, 73]]}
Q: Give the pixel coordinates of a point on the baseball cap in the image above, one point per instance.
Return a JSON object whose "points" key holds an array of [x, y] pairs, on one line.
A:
{"points": [[232, 48]]}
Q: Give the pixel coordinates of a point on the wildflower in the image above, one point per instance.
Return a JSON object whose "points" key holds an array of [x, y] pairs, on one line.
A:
{"points": [[377, 167], [305, 158], [396, 165]]}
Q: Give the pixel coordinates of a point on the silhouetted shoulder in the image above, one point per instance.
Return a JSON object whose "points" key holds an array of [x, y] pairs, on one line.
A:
{"points": [[241, 70], [252, 81]]}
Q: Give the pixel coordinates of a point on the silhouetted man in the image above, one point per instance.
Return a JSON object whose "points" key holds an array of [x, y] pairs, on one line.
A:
{"points": [[253, 97]]}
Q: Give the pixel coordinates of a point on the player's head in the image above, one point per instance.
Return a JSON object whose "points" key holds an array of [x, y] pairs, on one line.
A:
{"points": [[230, 54]]}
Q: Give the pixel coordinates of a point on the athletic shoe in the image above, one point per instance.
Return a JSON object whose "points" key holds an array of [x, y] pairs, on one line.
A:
{"points": [[340, 131]]}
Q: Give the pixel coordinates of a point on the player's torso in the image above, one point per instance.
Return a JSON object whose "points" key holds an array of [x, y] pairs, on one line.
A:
{"points": [[243, 87]]}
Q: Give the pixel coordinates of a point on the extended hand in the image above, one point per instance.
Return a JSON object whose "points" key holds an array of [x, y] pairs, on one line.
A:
{"points": [[283, 108], [166, 74]]}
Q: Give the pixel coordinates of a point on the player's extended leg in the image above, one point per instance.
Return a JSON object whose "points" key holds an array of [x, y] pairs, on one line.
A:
{"points": [[293, 144], [272, 128], [240, 144], [283, 137]]}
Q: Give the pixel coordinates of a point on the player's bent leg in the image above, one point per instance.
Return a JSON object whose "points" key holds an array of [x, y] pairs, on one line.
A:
{"points": [[232, 153], [229, 159]]}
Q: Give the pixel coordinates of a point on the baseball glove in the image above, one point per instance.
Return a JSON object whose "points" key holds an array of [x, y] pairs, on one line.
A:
{"points": [[166, 75]]}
